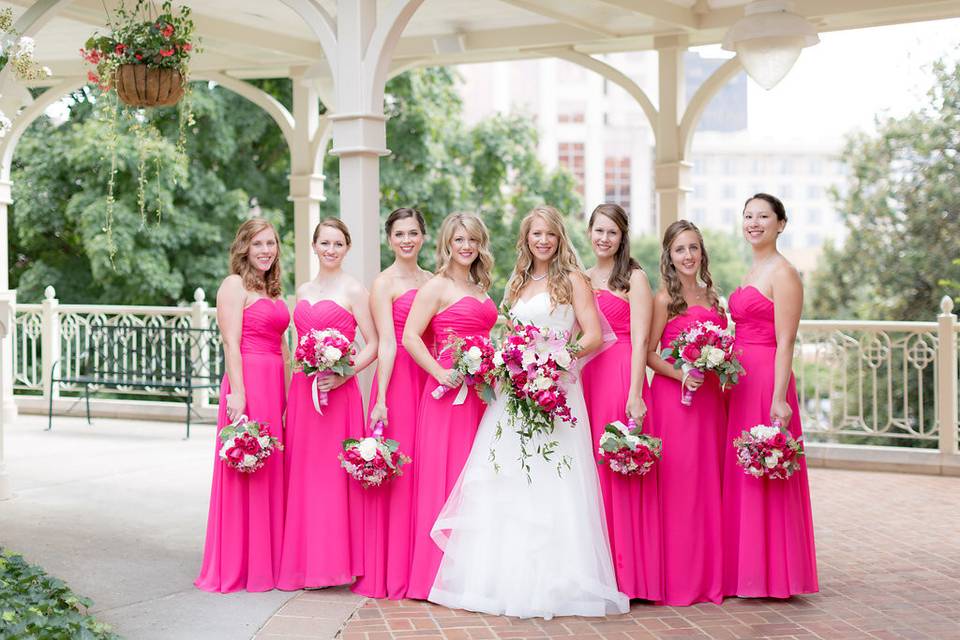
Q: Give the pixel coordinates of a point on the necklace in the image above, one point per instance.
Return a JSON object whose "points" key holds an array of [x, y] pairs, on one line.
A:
{"points": [[539, 278]]}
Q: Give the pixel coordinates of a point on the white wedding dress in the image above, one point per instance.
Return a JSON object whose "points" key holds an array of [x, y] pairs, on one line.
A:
{"points": [[537, 549]]}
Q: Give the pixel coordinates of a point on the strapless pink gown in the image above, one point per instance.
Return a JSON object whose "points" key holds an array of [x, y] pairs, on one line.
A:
{"points": [[323, 534], [690, 474], [388, 510], [245, 522], [632, 505], [444, 438], [768, 547]]}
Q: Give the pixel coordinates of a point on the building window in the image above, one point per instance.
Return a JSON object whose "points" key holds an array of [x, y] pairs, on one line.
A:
{"points": [[816, 166], [814, 192], [616, 180], [814, 239], [786, 166], [813, 216], [729, 166], [785, 192], [729, 191], [700, 166], [729, 217], [570, 156], [785, 241], [700, 189], [571, 112], [698, 214]]}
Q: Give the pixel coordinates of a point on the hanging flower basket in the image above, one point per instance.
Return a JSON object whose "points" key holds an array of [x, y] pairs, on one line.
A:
{"points": [[146, 57], [138, 85]]}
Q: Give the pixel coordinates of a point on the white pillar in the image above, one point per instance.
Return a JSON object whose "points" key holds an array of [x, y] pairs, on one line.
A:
{"points": [[947, 378], [6, 319], [49, 342], [359, 137], [199, 349], [306, 182], [9, 407], [671, 174]]}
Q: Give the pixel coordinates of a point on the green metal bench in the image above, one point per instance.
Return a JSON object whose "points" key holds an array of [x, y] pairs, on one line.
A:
{"points": [[123, 357]]}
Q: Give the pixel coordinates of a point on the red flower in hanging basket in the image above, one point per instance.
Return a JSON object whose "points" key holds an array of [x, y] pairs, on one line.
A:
{"points": [[120, 49], [166, 53], [167, 31]]}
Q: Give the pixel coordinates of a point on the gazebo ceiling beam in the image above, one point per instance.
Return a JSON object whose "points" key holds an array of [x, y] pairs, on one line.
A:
{"points": [[660, 10], [91, 12], [560, 16]]}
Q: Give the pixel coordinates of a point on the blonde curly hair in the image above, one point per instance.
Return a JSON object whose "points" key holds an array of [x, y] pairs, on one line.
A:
{"points": [[482, 265], [564, 265]]}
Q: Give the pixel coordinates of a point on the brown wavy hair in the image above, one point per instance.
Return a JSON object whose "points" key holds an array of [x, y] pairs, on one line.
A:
{"points": [[564, 265], [267, 283], [623, 264], [671, 281], [483, 264]]}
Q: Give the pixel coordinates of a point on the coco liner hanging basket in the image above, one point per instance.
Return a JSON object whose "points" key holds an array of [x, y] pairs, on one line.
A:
{"points": [[138, 85]]}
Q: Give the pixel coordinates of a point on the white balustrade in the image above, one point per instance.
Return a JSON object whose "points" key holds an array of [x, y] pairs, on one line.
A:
{"points": [[892, 384]]}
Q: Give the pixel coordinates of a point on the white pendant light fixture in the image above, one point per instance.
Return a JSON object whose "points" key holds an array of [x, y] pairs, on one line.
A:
{"points": [[768, 40]]}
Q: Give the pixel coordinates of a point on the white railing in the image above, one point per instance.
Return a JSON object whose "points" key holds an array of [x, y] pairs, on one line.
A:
{"points": [[51, 332], [888, 384]]}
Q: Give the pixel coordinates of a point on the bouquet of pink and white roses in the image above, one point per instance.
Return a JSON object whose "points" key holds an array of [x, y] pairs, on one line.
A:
{"points": [[768, 451], [533, 366], [473, 359], [703, 347], [372, 460], [628, 451], [247, 444], [321, 352]]}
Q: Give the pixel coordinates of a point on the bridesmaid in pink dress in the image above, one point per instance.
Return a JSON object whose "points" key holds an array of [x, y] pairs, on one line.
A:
{"points": [[767, 524], [453, 301], [614, 388], [323, 533], [690, 470], [245, 521], [394, 399]]}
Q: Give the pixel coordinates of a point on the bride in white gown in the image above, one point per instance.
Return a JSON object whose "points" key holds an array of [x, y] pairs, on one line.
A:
{"points": [[537, 548]]}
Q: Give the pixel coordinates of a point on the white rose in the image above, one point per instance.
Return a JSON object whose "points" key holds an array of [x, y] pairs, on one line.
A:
{"points": [[714, 355], [563, 358], [770, 461], [542, 383], [249, 460], [368, 449], [223, 450], [529, 357], [762, 432], [332, 354], [472, 358], [632, 442], [498, 359], [264, 441]]}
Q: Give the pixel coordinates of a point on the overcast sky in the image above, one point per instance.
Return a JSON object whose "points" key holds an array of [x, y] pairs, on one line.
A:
{"points": [[841, 83]]}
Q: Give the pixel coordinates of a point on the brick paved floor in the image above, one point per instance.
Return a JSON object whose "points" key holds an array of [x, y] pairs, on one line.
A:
{"points": [[889, 558]]}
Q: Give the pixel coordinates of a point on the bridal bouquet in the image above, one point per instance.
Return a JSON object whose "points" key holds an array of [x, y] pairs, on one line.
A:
{"points": [[320, 352], [473, 359], [626, 450], [246, 444], [533, 366], [768, 451], [704, 347], [372, 460]]}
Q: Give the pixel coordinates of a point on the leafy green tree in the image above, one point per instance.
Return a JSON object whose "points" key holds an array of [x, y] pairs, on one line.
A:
{"points": [[901, 209]]}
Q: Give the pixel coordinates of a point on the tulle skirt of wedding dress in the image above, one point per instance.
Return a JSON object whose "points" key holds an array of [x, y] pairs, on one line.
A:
{"points": [[527, 549]]}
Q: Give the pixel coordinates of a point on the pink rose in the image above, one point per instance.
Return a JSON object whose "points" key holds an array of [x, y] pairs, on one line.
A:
{"points": [[690, 353]]}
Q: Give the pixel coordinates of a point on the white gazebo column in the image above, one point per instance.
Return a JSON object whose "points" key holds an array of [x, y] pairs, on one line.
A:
{"points": [[671, 173], [306, 177], [9, 408], [359, 137], [6, 319]]}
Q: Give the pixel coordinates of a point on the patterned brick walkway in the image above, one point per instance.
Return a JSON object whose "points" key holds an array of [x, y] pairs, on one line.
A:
{"points": [[889, 558]]}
